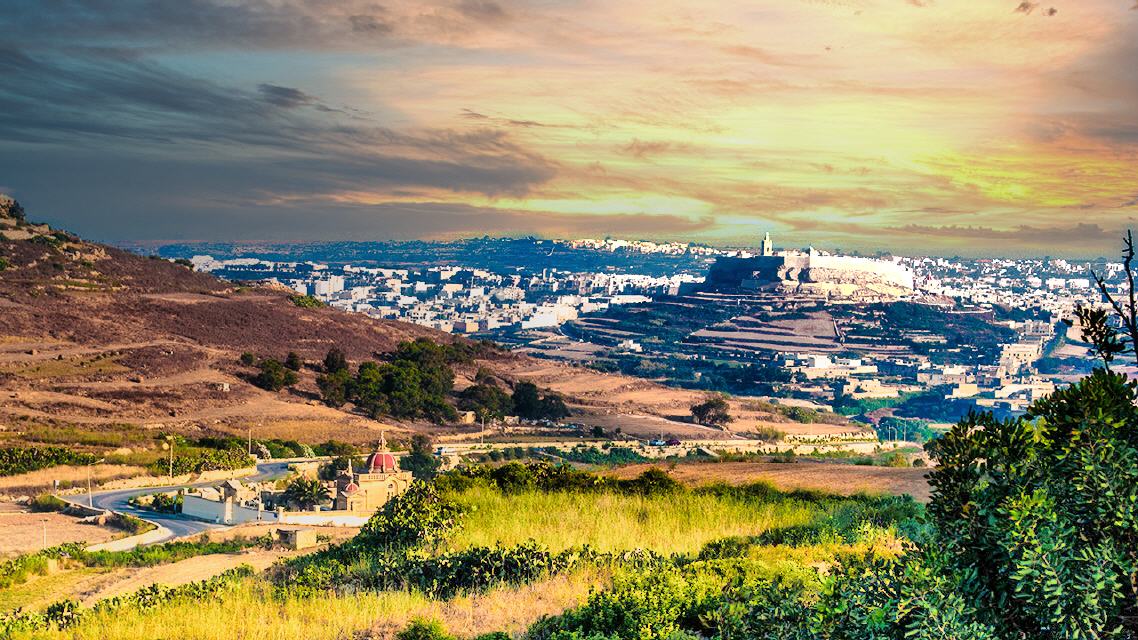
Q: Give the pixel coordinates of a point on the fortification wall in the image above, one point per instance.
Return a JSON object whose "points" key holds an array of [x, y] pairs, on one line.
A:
{"points": [[851, 269]]}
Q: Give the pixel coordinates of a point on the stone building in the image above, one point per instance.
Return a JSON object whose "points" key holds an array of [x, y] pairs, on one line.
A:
{"points": [[369, 488]]}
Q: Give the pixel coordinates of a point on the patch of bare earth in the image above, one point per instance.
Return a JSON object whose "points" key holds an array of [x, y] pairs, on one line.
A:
{"points": [[25, 532]]}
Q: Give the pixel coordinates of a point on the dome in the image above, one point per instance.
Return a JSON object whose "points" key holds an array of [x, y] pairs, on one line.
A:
{"points": [[351, 488], [381, 462]]}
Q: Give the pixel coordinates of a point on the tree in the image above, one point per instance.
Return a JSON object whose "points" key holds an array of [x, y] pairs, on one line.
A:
{"points": [[306, 493], [484, 376], [487, 401], [1040, 509], [421, 461], [552, 407], [714, 410], [335, 388], [432, 362], [1107, 341], [274, 376], [293, 361], [527, 403], [530, 404], [248, 359], [335, 361], [1033, 527]]}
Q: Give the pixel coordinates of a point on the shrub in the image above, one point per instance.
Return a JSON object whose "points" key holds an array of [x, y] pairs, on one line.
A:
{"points": [[1041, 510], [46, 502], [204, 460], [335, 360], [417, 517], [306, 302], [274, 376], [16, 460], [421, 629], [293, 361], [130, 524]]}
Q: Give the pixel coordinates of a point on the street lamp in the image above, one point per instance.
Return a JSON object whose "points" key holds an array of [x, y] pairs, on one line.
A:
{"points": [[169, 446]]}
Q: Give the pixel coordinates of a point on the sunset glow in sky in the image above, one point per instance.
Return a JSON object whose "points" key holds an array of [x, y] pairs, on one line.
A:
{"points": [[933, 126]]}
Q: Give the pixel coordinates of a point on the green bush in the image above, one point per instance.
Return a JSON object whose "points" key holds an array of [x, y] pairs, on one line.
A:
{"points": [[46, 502], [204, 460], [274, 376], [16, 460], [306, 302], [421, 629], [417, 517]]}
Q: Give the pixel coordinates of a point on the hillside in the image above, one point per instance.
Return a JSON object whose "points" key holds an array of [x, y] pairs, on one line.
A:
{"points": [[99, 339]]}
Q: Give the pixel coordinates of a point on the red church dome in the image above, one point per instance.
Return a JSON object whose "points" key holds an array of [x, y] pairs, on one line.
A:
{"points": [[381, 462]]}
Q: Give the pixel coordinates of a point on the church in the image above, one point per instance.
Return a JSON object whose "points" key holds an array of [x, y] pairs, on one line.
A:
{"points": [[369, 488]]}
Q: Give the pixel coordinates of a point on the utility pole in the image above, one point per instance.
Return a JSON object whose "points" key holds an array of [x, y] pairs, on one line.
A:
{"points": [[90, 500]]}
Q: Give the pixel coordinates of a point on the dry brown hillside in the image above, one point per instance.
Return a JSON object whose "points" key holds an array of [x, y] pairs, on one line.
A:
{"points": [[101, 339]]}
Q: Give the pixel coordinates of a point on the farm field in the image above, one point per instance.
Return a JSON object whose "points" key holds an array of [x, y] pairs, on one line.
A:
{"points": [[842, 479]]}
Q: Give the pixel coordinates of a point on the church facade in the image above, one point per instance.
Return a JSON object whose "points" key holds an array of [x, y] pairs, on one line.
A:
{"points": [[369, 488]]}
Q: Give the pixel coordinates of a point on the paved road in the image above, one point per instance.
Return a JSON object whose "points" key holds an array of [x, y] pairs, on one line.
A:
{"points": [[178, 525]]}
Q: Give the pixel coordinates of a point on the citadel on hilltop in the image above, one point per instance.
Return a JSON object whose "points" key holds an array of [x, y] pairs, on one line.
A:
{"points": [[812, 274]]}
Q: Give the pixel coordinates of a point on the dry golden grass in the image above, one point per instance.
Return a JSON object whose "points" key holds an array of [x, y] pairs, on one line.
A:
{"points": [[252, 613], [679, 523], [64, 368], [39, 481]]}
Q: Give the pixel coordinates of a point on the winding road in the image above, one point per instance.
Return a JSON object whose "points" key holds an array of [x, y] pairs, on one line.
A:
{"points": [[177, 525]]}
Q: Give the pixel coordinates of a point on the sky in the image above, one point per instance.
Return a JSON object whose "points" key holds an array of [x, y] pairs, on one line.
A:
{"points": [[943, 127]]}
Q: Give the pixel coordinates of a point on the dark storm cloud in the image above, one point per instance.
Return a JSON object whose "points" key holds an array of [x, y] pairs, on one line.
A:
{"points": [[114, 195], [180, 23], [129, 103], [287, 97]]}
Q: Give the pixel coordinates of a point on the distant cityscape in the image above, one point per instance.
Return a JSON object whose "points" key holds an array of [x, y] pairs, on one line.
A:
{"points": [[801, 327]]}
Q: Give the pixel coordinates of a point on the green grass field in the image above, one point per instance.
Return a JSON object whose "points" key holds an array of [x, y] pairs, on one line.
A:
{"points": [[679, 523]]}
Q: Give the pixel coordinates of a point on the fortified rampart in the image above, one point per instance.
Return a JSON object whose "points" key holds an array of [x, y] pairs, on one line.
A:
{"points": [[813, 274]]}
